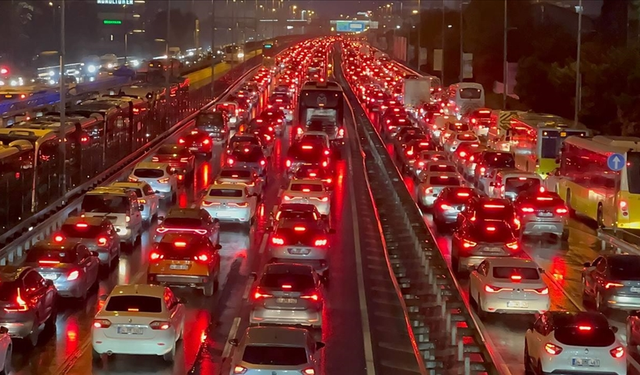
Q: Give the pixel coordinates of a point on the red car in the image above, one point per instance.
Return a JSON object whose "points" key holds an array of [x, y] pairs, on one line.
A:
{"points": [[198, 142]]}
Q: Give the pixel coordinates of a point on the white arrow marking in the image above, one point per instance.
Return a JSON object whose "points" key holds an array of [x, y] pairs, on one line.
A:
{"points": [[616, 162]]}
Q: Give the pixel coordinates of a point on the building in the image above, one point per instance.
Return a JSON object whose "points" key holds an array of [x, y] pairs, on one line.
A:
{"points": [[122, 21]]}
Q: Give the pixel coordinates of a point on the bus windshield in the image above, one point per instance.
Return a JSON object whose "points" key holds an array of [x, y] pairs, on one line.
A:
{"points": [[319, 103], [552, 142]]}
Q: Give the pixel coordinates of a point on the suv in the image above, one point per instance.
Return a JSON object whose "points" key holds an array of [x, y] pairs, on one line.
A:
{"points": [[214, 123], [186, 220]]}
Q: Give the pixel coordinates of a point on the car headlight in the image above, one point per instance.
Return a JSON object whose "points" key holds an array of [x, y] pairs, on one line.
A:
{"points": [[240, 55], [91, 68], [14, 83]]}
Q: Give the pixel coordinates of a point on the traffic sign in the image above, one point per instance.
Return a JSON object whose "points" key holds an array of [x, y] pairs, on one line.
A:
{"points": [[616, 162], [112, 22], [350, 26]]}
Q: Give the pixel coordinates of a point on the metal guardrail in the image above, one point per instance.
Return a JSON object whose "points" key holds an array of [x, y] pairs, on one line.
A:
{"points": [[17, 248], [620, 240], [447, 336]]}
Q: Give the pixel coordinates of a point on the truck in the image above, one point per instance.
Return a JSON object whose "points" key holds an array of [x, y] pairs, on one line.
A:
{"points": [[416, 91]]}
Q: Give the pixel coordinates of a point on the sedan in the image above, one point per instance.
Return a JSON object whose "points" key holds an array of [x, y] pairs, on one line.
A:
{"points": [[612, 281]]}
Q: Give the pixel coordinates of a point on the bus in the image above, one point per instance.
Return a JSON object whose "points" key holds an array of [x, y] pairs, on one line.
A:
{"points": [[589, 187], [233, 54], [536, 140], [322, 102], [16, 168]]}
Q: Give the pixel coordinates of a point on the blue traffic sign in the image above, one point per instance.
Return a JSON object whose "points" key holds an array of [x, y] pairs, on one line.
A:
{"points": [[350, 26], [616, 162]]}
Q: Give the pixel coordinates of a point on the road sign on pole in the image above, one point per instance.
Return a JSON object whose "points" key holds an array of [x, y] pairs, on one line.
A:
{"points": [[616, 162]]}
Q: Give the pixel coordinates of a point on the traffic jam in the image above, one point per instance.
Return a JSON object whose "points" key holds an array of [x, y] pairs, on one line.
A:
{"points": [[241, 166], [495, 223]]}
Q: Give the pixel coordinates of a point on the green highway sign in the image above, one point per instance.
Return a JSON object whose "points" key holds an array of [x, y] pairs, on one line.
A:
{"points": [[268, 46], [112, 22]]}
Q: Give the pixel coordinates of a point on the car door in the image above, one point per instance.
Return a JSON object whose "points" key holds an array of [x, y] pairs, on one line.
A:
{"points": [[114, 240], [215, 254], [536, 336], [136, 214], [36, 291], [477, 279], [599, 275], [152, 197], [89, 263], [588, 276], [252, 202], [175, 309]]}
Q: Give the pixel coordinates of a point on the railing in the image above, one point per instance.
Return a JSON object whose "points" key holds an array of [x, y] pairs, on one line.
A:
{"points": [[621, 240], [445, 334]]}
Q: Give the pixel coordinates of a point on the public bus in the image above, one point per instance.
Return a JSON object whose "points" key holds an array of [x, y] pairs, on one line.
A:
{"points": [[536, 139], [322, 102], [592, 189], [16, 168], [233, 54]]}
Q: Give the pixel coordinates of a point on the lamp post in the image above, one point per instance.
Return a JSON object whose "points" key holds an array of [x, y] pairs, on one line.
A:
{"points": [[63, 99], [504, 58], [578, 75], [126, 43]]}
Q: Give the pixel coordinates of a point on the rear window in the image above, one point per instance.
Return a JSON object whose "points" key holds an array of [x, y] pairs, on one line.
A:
{"points": [[491, 232], [235, 174], [173, 150], [526, 273], [36, 254], [298, 282], [444, 181], [210, 119], [274, 355], [466, 137], [148, 173], [459, 127], [226, 193], [499, 160], [470, 93], [249, 156], [442, 168], [186, 222], [135, 303], [482, 114], [105, 203], [520, 184], [495, 211], [80, 230], [306, 187], [574, 336], [625, 268], [458, 196]]}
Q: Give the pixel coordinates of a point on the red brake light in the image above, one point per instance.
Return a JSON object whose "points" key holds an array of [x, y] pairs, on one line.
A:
{"points": [[73, 275], [463, 194], [612, 285], [48, 262], [258, 294], [527, 210], [468, 244], [286, 286], [288, 163], [584, 328], [202, 258], [445, 207], [58, 238], [490, 229], [101, 323], [321, 242], [180, 244], [617, 352], [561, 210], [491, 289], [516, 278], [155, 255], [462, 154], [623, 205], [552, 348], [493, 206], [277, 240], [20, 304], [181, 141], [158, 325], [314, 297], [513, 245], [299, 229], [263, 162], [230, 161], [206, 142], [307, 147], [102, 241]]}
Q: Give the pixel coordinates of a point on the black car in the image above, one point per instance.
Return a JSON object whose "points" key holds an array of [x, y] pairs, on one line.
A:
{"points": [[214, 123]]}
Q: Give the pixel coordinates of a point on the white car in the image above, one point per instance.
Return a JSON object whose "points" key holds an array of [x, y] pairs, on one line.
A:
{"points": [[6, 351], [561, 342], [230, 202], [139, 319], [314, 137], [456, 139], [308, 191], [433, 183], [146, 197], [158, 176], [243, 176], [508, 286]]}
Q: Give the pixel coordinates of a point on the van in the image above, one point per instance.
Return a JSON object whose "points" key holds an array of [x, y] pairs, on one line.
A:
{"points": [[121, 207], [464, 97]]}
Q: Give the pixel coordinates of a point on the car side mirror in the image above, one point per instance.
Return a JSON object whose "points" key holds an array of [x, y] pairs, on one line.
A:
{"points": [[541, 270], [4, 330], [254, 276], [587, 264], [218, 246], [234, 342], [614, 329], [95, 254], [141, 208], [320, 345]]}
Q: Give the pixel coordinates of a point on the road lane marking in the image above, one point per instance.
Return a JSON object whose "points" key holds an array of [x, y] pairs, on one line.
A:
{"points": [[364, 313], [232, 333], [247, 288], [263, 245]]}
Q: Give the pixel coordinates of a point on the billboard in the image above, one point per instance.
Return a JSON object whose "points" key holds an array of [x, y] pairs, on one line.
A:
{"points": [[350, 26]]}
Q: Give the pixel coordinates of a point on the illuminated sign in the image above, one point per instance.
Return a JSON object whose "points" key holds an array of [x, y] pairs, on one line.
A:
{"points": [[115, 2], [350, 26], [267, 46], [112, 22]]}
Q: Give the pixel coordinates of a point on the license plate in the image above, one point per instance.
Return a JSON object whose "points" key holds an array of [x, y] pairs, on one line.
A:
{"points": [[179, 267], [493, 250], [193, 148], [545, 214], [50, 276], [287, 300], [585, 362], [130, 330], [297, 250], [635, 289], [518, 304]]}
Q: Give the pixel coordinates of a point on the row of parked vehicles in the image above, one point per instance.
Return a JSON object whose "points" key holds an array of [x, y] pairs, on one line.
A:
{"points": [[477, 193]]}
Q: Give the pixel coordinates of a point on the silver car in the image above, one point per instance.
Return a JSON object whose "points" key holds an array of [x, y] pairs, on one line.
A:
{"points": [[542, 212], [276, 350], [432, 184], [287, 294], [96, 233], [70, 265], [158, 176], [242, 176], [147, 197]]}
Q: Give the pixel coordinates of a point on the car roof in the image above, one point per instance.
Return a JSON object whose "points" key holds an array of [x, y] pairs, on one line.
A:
{"points": [[278, 336], [517, 172], [151, 165], [297, 207], [511, 262], [445, 174], [183, 212], [138, 289], [113, 190], [91, 220]]}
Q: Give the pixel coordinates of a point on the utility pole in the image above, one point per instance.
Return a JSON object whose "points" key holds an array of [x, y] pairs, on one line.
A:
{"points": [[578, 75], [419, 31], [461, 46], [504, 58], [214, 50], [167, 93], [443, 41], [63, 120]]}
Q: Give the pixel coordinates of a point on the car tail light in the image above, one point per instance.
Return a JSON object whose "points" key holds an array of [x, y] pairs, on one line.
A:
{"points": [[277, 240], [133, 179], [613, 285], [309, 371], [180, 244], [299, 229], [73, 275], [516, 278], [161, 230], [483, 170], [239, 370], [462, 154], [552, 349], [445, 207], [288, 163], [48, 262], [463, 195], [325, 163], [623, 205], [341, 132], [156, 255], [184, 160], [204, 258], [513, 245], [209, 204], [206, 142], [230, 161], [155, 158], [181, 141], [263, 162], [321, 242], [164, 180], [527, 210], [492, 289], [18, 305], [160, 325], [516, 223], [313, 296], [102, 240], [259, 294], [240, 204], [101, 323], [58, 238], [617, 352], [288, 198], [561, 210], [543, 290], [409, 152], [428, 190], [142, 201], [490, 229], [469, 244]]}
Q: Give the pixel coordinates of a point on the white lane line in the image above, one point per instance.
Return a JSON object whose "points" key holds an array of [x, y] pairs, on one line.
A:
{"points": [[247, 288], [232, 334], [364, 313], [263, 245]]}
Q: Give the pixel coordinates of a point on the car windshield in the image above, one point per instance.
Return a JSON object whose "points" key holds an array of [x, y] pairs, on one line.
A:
{"points": [[183, 222], [105, 203], [212, 118], [626, 267], [306, 188], [226, 193], [135, 303], [499, 160], [525, 273], [148, 173], [444, 181], [497, 231], [235, 174], [81, 230], [458, 195], [44, 254], [274, 355]]}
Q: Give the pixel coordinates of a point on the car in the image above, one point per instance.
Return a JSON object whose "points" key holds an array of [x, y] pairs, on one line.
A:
{"points": [[481, 208], [6, 351], [159, 176], [306, 153], [231, 203], [432, 183], [248, 157], [282, 101], [70, 265], [489, 160], [449, 203], [301, 241], [405, 134], [261, 129], [189, 220], [181, 160], [185, 260], [28, 303], [275, 349], [468, 165], [275, 118], [146, 197], [376, 100], [309, 191], [464, 150], [287, 294], [245, 140], [573, 342], [407, 154], [314, 172], [508, 286], [612, 281], [139, 319], [477, 240], [541, 212], [508, 183], [424, 158], [215, 123], [298, 211], [452, 128], [480, 121], [244, 176], [200, 142], [458, 138], [230, 108], [96, 233], [394, 125]]}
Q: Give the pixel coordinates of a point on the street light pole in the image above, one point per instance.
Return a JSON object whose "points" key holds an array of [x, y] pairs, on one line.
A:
{"points": [[443, 41], [63, 121], [419, 31], [578, 75], [214, 50], [461, 47], [167, 93], [126, 47], [504, 58]]}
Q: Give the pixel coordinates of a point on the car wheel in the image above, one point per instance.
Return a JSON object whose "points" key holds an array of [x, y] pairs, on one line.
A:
{"points": [[6, 370], [565, 235], [51, 322], [97, 357], [169, 357], [209, 288], [528, 369]]}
